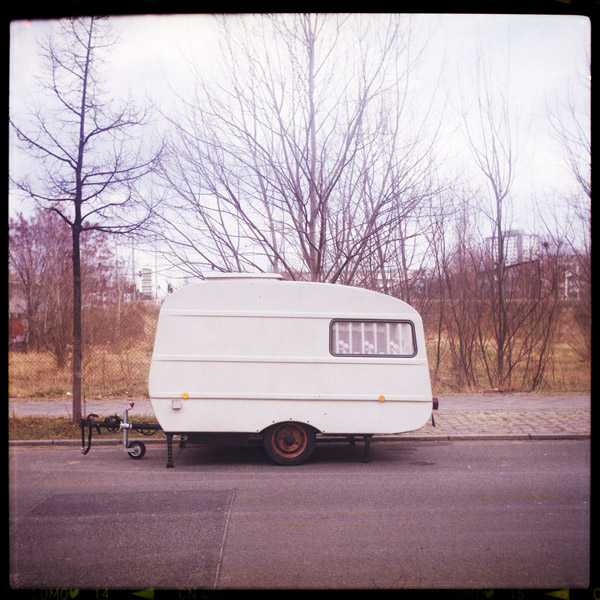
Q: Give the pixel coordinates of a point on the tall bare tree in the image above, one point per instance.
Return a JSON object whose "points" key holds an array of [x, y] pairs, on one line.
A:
{"points": [[86, 149], [302, 155], [491, 128]]}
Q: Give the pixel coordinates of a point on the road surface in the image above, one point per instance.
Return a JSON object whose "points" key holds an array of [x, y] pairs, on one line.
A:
{"points": [[420, 514]]}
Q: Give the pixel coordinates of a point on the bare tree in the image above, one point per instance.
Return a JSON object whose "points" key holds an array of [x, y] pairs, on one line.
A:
{"points": [[29, 264], [570, 228], [41, 273], [491, 130], [570, 123], [86, 156], [300, 157]]}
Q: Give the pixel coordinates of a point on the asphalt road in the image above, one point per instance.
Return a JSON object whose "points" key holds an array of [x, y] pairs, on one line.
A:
{"points": [[510, 514]]}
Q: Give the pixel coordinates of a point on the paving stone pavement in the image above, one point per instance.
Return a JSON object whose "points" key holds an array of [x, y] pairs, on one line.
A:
{"points": [[520, 415], [542, 422], [476, 415]]}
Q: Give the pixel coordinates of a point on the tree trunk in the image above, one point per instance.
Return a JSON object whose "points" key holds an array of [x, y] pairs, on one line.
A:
{"points": [[77, 331], [77, 228]]}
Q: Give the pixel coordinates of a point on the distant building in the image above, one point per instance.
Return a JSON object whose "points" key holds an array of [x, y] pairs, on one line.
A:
{"points": [[146, 276], [519, 247]]}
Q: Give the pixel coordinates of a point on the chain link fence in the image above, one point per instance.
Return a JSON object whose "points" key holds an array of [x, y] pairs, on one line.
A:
{"points": [[109, 369]]}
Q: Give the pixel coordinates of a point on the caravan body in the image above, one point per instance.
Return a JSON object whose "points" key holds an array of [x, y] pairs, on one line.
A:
{"points": [[239, 353]]}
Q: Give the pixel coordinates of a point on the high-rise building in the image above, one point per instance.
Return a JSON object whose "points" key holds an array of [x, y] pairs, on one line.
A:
{"points": [[518, 247]]}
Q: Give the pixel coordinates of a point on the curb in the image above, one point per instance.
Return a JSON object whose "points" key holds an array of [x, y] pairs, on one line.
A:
{"points": [[492, 437]]}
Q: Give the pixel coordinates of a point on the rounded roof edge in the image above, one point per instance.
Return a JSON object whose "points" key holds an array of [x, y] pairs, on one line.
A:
{"points": [[270, 276], [271, 292]]}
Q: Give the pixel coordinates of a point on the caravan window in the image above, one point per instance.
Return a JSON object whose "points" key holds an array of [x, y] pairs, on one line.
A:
{"points": [[379, 338]]}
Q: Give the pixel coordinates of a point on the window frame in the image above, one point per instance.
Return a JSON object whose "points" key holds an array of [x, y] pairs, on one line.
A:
{"points": [[373, 355]]}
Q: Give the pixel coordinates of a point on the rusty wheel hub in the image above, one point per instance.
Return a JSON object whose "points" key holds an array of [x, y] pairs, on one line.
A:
{"points": [[289, 440]]}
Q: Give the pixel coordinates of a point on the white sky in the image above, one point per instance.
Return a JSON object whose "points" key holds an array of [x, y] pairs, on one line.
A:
{"points": [[545, 50], [546, 54]]}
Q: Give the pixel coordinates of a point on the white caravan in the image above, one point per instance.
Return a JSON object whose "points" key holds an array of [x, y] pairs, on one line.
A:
{"points": [[254, 354]]}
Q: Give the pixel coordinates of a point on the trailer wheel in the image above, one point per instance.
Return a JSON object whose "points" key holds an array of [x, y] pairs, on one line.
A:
{"points": [[289, 443], [136, 449]]}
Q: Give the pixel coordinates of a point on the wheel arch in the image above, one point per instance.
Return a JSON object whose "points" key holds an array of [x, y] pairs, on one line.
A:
{"points": [[290, 421]]}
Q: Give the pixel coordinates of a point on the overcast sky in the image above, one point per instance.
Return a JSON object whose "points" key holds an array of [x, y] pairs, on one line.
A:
{"points": [[547, 53]]}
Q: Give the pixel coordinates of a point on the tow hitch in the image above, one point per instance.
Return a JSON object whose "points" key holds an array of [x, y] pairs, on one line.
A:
{"points": [[135, 449]]}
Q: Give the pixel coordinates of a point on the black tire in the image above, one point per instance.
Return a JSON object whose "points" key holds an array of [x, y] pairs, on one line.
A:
{"points": [[137, 450], [289, 443]]}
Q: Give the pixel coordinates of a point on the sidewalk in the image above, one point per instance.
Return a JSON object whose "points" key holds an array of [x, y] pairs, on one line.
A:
{"points": [[531, 419], [477, 416]]}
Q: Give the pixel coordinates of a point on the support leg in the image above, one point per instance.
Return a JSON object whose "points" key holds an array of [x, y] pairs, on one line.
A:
{"points": [[170, 464], [367, 439]]}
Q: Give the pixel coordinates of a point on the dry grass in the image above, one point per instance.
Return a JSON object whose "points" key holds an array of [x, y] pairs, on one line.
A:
{"points": [[35, 374], [565, 372], [106, 373], [570, 372]]}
